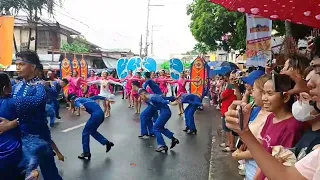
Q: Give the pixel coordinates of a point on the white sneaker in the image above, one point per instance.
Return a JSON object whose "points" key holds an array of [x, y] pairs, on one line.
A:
{"points": [[242, 172], [57, 121], [241, 167]]}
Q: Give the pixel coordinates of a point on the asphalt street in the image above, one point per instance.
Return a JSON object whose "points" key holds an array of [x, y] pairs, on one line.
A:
{"points": [[134, 158]]}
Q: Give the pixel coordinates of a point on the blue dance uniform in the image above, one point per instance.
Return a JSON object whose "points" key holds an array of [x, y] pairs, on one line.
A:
{"points": [[10, 143], [30, 101], [55, 94], [153, 86], [193, 102], [96, 119], [159, 103], [150, 112]]}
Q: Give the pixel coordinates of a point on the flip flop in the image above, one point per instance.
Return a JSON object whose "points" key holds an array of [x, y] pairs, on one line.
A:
{"points": [[228, 149]]}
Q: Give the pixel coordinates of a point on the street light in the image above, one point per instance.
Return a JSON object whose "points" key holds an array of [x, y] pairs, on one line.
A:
{"points": [[147, 31]]}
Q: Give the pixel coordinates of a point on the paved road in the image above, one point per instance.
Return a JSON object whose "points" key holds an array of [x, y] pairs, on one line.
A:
{"points": [[135, 159]]}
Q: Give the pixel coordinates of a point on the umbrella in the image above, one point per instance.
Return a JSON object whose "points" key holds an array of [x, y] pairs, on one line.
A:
{"points": [[229, 64], [301, 12], [219, 70], [215, 64]]}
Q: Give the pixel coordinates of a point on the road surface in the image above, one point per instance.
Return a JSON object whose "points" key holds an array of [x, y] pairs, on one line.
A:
{"points": [[135, 159]]}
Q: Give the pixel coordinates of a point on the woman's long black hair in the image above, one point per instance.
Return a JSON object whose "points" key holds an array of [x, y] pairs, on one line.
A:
{"points": [[4, 82]]}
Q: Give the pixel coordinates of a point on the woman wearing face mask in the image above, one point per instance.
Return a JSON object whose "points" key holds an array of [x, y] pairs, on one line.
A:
{"points": [[304, 112], [281, 128], [256, 124]]}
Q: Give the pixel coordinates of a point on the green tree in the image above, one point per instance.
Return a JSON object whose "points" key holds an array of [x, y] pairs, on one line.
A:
{"points": [[165, 65], [33, 8], [201, 48], [211, 22], [75, 48], [187, 65]]}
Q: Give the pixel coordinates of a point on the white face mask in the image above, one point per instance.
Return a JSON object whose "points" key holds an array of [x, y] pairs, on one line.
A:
{"points": [[302, 111]]}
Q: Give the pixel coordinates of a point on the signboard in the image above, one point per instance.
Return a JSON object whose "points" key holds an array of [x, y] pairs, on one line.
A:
{"points": [[6, 40], [258, 40]]}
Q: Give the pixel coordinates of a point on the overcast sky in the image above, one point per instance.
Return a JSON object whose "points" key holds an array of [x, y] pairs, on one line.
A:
{"points": [[120, 23]]}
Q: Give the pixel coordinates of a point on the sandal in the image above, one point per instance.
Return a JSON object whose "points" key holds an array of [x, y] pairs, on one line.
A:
{"points": [[223, 145], [228, 149]]}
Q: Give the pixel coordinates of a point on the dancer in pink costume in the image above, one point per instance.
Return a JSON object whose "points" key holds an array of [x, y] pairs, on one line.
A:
{"points": [[135, 96], [128, 88], [93, 89], [163, 82], [75, 84], [75, 87], [182, 82]]}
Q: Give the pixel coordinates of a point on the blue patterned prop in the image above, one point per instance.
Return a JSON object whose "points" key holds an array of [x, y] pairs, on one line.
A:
{"points": [[122, 68], [176, 68], [149, 64], [134, 64]]}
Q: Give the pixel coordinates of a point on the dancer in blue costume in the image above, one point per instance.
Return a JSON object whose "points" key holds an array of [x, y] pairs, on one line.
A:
{"points": [[194, 102], [57, 86], [27, 152], [30, 100], [95, 120], [10, 141], [53, 107], [165, 113], [150, 112]]}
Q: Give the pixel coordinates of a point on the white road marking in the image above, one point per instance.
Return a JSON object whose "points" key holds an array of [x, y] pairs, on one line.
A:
{"points": [[74, 127]]}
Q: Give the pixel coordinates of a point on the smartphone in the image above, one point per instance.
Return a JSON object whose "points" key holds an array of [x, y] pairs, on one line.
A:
{"points": [[239, 143], [271, 62], [282, 82], [240, 111]]}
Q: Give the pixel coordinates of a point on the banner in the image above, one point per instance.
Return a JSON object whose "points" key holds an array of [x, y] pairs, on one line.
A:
{"points": [[84, 68], [65, 72], [6, 40], [76, 66], [199, 71], [258, 40]]}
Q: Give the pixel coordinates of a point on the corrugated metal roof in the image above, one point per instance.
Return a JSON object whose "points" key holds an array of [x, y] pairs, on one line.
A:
{"points": [[23, 21]]}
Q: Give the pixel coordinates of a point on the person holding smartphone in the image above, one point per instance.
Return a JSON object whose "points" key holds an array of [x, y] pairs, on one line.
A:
{"points": [[281, 128], [257, 121], [308, 168]]}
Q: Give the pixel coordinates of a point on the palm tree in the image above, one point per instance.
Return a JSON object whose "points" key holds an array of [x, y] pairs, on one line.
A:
{"points": [[33, 8], [201, 48]]}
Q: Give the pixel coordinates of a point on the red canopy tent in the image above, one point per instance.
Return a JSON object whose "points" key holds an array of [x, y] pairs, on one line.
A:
{"points": [[305, 12]]}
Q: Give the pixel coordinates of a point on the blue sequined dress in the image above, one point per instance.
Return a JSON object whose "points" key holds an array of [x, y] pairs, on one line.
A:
{"points": [[10, 143]]}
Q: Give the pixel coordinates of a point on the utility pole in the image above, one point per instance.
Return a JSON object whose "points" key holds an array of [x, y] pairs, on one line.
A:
{"points": [[141, 46], [147, 29], [152, 30]]}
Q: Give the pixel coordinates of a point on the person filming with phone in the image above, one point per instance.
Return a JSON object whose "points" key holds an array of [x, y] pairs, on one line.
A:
{"points": [[309, 166]]}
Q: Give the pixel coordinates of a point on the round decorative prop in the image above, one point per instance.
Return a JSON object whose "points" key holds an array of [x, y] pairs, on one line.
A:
{"points": [[134, 64], [176, 68], [122, 68]]}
